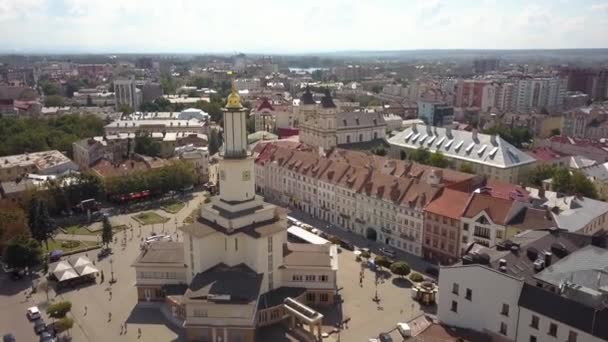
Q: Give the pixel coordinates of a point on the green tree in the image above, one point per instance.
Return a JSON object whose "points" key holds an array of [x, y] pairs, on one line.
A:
{"points": [[365, 254], [382, 261], [251, 124], [582, 185], [377, 89], [49, 89], [213, 108], [89, 101], [22, 252], [13, 223], [402, 155], [215, 141], [64, 324], [146, 145], [317, 75], [416, 277], [106, 232], [420, 155], [400, 268], [54, 101], [40, 222], [168, 84], [164, 105], [125, 109], [466, 167], [540, 173], [379, 151], [59, 309], [150, 107], [517, 136], [437, 159], [555, 131], [201, 82]]}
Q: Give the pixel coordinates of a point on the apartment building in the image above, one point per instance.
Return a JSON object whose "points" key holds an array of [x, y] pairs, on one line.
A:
{"points": [[488, 155], [540, 286], [537, 93], [43, 163], [372, 196], [442, 226]]}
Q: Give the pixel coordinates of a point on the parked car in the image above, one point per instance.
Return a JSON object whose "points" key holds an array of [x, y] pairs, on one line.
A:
{"points": [[384, 337], [388, 252], [104, 252], [39, 326], [47, 337], [347, 245], [405, 330], [434, 271], [33, 313], [8, 338]]}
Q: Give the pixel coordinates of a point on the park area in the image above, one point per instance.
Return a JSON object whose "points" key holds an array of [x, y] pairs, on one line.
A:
{"points": [[172, 206], [149, 217], [68, 246]]}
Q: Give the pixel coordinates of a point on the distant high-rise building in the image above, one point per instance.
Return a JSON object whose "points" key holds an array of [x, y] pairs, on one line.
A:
{"points": [[484, 65], [126, 93], [151, 91], [589, 81], [538, 93]]}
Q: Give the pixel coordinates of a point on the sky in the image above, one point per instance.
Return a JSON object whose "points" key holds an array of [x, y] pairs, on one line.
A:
{"points": [[298, 26]]}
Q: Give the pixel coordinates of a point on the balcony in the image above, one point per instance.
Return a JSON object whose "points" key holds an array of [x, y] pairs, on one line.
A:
{"points": [[407, 237], [386, 231]]}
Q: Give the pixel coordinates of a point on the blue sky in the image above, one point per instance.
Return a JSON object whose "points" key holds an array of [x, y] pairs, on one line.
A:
{"points": [[294, 26]]}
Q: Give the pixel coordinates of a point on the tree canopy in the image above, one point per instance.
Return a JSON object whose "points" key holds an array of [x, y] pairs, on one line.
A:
{"points": [[146, 145], [424, 156], [59, 309], [517, 136], [176, 176], [106, 231], [22, 252], [54, 101], [215, 141], [400, 268], [13, 223], [20, 135], [466, 167], [40, 222], [564, 180]]}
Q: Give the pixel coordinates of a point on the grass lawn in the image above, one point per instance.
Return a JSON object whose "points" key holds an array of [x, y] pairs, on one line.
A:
{"points": [[68, 246], [149, 217], [172, 206], [80, 230]]}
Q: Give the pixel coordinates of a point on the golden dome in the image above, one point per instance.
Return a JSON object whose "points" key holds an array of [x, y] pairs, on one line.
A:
{"points": [[234, 100]]}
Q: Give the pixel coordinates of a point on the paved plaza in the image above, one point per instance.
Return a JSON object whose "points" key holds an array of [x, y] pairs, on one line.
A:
{"points": [[93, 304]]}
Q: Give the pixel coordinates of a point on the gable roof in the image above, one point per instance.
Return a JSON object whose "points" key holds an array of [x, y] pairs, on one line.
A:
{"points": [[496, 208], [450, 203]]}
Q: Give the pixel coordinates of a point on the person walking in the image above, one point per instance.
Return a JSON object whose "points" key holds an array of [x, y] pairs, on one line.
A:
{"points": [[138, 332], [85, 310], [109, 316], [125, 327]]}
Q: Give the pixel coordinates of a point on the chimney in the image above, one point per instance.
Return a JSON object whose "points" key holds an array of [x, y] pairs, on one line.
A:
{"points": [[474, 134], [428, 130], [448, 131], [414, 128], [548, 256], [493, 139]]}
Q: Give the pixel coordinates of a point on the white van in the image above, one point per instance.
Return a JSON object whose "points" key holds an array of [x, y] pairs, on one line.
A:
{"points": [[404, 330]]}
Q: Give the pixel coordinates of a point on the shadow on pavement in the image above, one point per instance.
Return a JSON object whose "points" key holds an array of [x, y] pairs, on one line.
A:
{"points": [[276, 332], [9, 287], [402, 283], [152, 315]]}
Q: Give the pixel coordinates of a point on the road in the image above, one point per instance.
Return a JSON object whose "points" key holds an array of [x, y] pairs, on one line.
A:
{"points": [[416, 263]]}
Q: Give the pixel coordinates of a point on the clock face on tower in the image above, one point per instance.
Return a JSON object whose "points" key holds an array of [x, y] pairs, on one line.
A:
{"points": [[246, 175]]}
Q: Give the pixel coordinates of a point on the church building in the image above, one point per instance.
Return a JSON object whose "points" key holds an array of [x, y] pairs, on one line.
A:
{"points": [[324, 125], [235, 270]]}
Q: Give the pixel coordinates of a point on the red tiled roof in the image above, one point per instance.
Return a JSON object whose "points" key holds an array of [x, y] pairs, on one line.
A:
{"points": [[265, 105], [546, 154], [496, 208], [450, 203], [506, 190]]}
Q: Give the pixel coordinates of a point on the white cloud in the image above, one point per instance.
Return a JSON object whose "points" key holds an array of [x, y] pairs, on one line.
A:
{"points": [[288, 26]]}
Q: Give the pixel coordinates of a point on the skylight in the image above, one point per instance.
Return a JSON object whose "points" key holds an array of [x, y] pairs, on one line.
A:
{"points": [[459, 145], [440, 141], [447, 145], [431, 140], [493, 152], [422, 139], [470, 147], [409, 135], [415, 137], [483, 148]]}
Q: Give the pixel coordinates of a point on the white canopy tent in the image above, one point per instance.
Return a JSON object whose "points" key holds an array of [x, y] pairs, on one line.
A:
{"points": [[66, 275], [59, 266], [86, 269]]}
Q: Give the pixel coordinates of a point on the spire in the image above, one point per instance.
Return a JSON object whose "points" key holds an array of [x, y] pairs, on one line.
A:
{"points": [[234, 100], [307, 98], [327, 101]]}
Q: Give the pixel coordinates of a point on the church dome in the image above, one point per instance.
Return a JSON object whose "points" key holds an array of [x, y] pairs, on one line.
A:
{"points": [[234, 100]]}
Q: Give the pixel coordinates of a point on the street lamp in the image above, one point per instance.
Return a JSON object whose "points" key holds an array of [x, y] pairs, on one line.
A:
{"points": [[112, 280], [376, 299]]}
